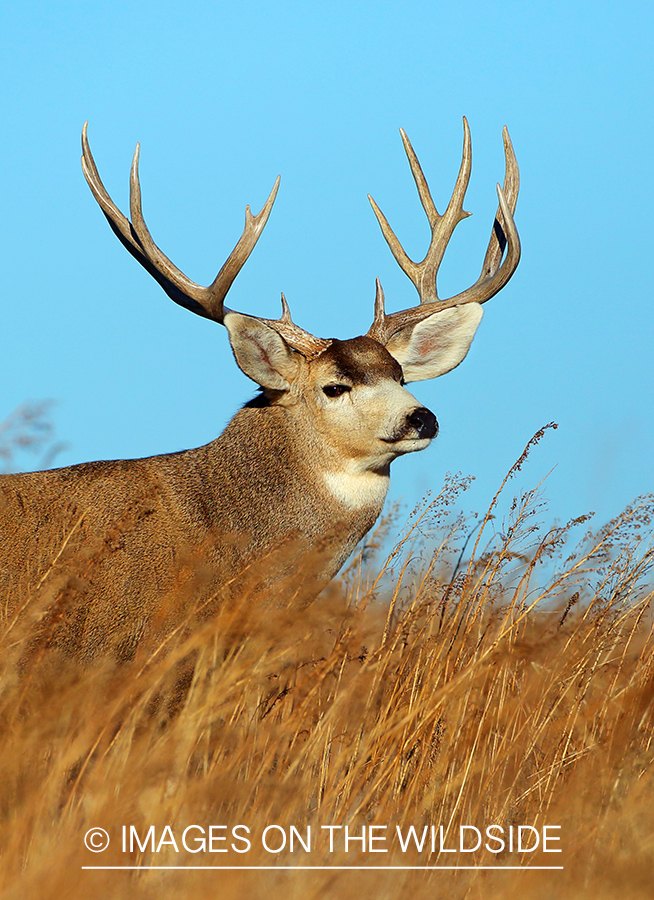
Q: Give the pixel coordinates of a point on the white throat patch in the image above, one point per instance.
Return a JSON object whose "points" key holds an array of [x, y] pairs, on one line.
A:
{"points": [[357, 489]]}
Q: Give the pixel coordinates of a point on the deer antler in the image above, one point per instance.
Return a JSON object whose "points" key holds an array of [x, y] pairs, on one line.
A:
{"points": [[494, 273], [208, 302]]}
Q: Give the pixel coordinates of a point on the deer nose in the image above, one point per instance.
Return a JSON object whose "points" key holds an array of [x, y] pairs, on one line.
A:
{"points": [[424, 422]]}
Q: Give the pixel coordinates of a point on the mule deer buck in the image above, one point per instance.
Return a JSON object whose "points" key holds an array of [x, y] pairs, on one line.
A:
{"points": [[296, 479]]}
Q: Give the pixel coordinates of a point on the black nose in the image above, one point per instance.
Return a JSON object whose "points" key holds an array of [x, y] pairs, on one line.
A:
{"points": [[424, 422]]}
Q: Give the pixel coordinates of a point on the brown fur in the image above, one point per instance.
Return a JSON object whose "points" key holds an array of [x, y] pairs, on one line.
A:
{"points": [[104, 551]]}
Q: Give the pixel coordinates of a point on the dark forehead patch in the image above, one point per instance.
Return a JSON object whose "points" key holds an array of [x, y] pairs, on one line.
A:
{"points": [[362, 360]]}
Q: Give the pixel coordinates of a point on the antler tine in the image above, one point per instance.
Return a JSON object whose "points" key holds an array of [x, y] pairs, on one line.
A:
{"points": [[510, 190], [135, 236], [160, 262], [442, 226], [254, 225], [119, 223], [423, 274], [504, 236], [376, 330], [303, 341], [123, 230]]}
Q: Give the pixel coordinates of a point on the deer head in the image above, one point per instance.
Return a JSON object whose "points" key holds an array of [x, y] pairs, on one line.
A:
{"points": [[352, 391]]}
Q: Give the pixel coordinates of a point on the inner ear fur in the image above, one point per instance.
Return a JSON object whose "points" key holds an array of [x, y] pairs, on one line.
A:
{"points": [[261, 353], [437, 344]]}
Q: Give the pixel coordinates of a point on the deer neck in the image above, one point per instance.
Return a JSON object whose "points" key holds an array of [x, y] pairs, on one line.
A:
{"points": [[270, 461], [281, 445]]}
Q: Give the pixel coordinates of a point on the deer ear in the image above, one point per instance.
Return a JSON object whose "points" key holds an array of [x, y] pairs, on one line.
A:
{"points": [[437, 344], [260, 352]]}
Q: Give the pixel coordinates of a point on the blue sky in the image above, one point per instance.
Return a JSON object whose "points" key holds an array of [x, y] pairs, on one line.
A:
{"points": [[225, 96]]}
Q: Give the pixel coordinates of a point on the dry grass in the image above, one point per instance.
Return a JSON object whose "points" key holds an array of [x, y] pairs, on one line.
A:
{"points": [[473, 677]]}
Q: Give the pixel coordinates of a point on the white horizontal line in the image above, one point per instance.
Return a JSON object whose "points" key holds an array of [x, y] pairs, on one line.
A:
{"points": [[329, 868]]}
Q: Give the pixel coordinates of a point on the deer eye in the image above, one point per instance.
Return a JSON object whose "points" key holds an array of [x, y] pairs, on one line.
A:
{"points": [[335, 390]]}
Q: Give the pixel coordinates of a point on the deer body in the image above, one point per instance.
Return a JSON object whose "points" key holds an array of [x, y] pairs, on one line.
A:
{"points": [[115, 553], [132, 536]]}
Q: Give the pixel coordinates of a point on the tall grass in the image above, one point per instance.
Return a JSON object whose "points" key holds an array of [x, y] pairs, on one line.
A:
{"points": [[476, 675]]}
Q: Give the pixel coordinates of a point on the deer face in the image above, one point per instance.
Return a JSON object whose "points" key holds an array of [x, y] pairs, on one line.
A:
{"points": [[349, 400], [357, 396]]}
